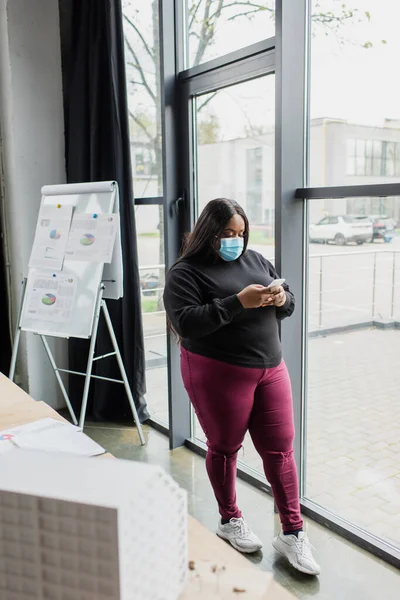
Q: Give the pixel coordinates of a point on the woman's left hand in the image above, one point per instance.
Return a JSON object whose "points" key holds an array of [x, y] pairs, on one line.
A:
{"points": [[277, 298]]}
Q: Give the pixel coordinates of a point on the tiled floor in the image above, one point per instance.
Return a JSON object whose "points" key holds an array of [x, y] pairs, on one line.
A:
{"points": [[354, 428], [347, 572]]}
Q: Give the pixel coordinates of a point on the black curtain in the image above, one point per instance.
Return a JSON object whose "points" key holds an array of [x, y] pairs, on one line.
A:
{"points": [[5, 355], [98, 149]]}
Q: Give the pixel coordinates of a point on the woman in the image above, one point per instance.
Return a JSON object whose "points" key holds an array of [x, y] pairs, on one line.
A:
{"points": [[218, 302]]}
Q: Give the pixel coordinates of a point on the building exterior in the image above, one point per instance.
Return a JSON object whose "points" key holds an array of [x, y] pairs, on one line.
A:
{"points": [[341, 153], [242, 169]]}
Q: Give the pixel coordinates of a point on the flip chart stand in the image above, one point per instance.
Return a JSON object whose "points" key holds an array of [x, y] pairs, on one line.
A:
{"points": [[101, 306]]}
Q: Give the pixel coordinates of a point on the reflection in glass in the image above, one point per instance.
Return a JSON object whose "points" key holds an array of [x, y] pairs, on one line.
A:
{"points": [[235, 159], [353, 416], [216, 27], [152, 277], [142, 62]]}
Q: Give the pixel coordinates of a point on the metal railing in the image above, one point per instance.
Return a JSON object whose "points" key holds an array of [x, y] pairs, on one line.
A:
{"points": [[390, 279], [323, 286], [146, 291], [156, 293]]}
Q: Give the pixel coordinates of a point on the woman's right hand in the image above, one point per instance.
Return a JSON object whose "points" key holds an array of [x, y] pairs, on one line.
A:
{"points": [[255, 296]]}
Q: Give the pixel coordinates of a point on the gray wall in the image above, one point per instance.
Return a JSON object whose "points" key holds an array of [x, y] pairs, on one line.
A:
{"points": [[32, 126]]}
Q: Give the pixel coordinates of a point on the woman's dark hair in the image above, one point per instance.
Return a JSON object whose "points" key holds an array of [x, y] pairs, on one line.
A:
{"points": [[201, 245]]}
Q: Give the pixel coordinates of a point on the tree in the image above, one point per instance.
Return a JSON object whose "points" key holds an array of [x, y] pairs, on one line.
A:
{"points": [[204, 17], [145, 62], [209, 130]]}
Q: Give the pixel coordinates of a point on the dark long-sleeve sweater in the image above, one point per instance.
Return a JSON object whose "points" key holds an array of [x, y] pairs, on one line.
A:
{"points": [[202, 304]]}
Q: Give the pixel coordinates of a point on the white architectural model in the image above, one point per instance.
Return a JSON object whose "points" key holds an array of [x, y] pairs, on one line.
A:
{"points": [[89, 529]]}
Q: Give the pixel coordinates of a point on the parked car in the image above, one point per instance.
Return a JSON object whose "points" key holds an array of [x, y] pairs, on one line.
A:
{"points": [[149, 282], [342, 230], [384, 228]]}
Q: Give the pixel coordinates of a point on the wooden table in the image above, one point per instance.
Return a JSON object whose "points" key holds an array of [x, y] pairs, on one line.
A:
{"points": [[18, 408]]}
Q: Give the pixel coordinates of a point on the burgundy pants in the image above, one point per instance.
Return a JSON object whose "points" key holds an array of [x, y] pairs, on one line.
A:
{"points": [[230, 400]]}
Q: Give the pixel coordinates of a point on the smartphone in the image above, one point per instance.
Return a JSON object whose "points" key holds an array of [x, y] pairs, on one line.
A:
{"points": [[276, 283]]}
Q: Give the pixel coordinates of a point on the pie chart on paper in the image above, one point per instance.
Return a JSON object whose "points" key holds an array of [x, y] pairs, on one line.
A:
{"points": [[88, 239], [55, 234], [48, 299]]}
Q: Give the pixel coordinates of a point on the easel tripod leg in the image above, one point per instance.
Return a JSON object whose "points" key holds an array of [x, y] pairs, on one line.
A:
{"points": [[17, 335], [59, 379], [123, 372], [89, 367], [14, 355]]}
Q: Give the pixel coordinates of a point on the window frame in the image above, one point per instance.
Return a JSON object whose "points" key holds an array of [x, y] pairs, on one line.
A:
{"points": [[287, 55]]}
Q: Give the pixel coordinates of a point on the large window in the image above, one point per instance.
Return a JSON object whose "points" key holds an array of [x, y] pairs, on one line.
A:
{"points": [[152, 277], [355, 115], [373, 157], [216, 27], [235, 148], [365, 157], [353, 415], [142, 55], [220, 123], [391, 158], [254, 164], [235, 153]]}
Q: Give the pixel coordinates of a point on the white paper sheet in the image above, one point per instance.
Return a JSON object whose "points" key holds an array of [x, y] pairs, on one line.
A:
{"points": [[50, 297], [51, 237], [64, 440], [6, 447], [36, 427], [52, 436], [92, 237]]}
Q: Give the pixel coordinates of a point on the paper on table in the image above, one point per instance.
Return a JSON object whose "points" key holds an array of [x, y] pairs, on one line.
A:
{"points": [[50, 297], [47, 423], [51, 237], [92, 237], [59, 440], [6, 446], [52, 435]]}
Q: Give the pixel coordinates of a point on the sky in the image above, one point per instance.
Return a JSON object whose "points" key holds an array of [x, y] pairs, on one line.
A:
{"points": [[353, 83], [347, 81]]}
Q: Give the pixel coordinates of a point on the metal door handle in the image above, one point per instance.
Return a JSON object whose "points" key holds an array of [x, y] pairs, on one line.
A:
{"points": [[179, 204]]}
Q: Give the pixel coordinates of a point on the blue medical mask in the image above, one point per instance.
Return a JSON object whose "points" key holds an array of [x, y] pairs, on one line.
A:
{"points": [[231, 248]]}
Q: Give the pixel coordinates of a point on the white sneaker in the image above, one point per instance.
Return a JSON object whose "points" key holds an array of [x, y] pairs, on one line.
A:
{"points": [[239, 534], [298, 551]]}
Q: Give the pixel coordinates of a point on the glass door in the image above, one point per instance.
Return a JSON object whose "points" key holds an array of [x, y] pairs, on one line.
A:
{"points": [[234, 157]]}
